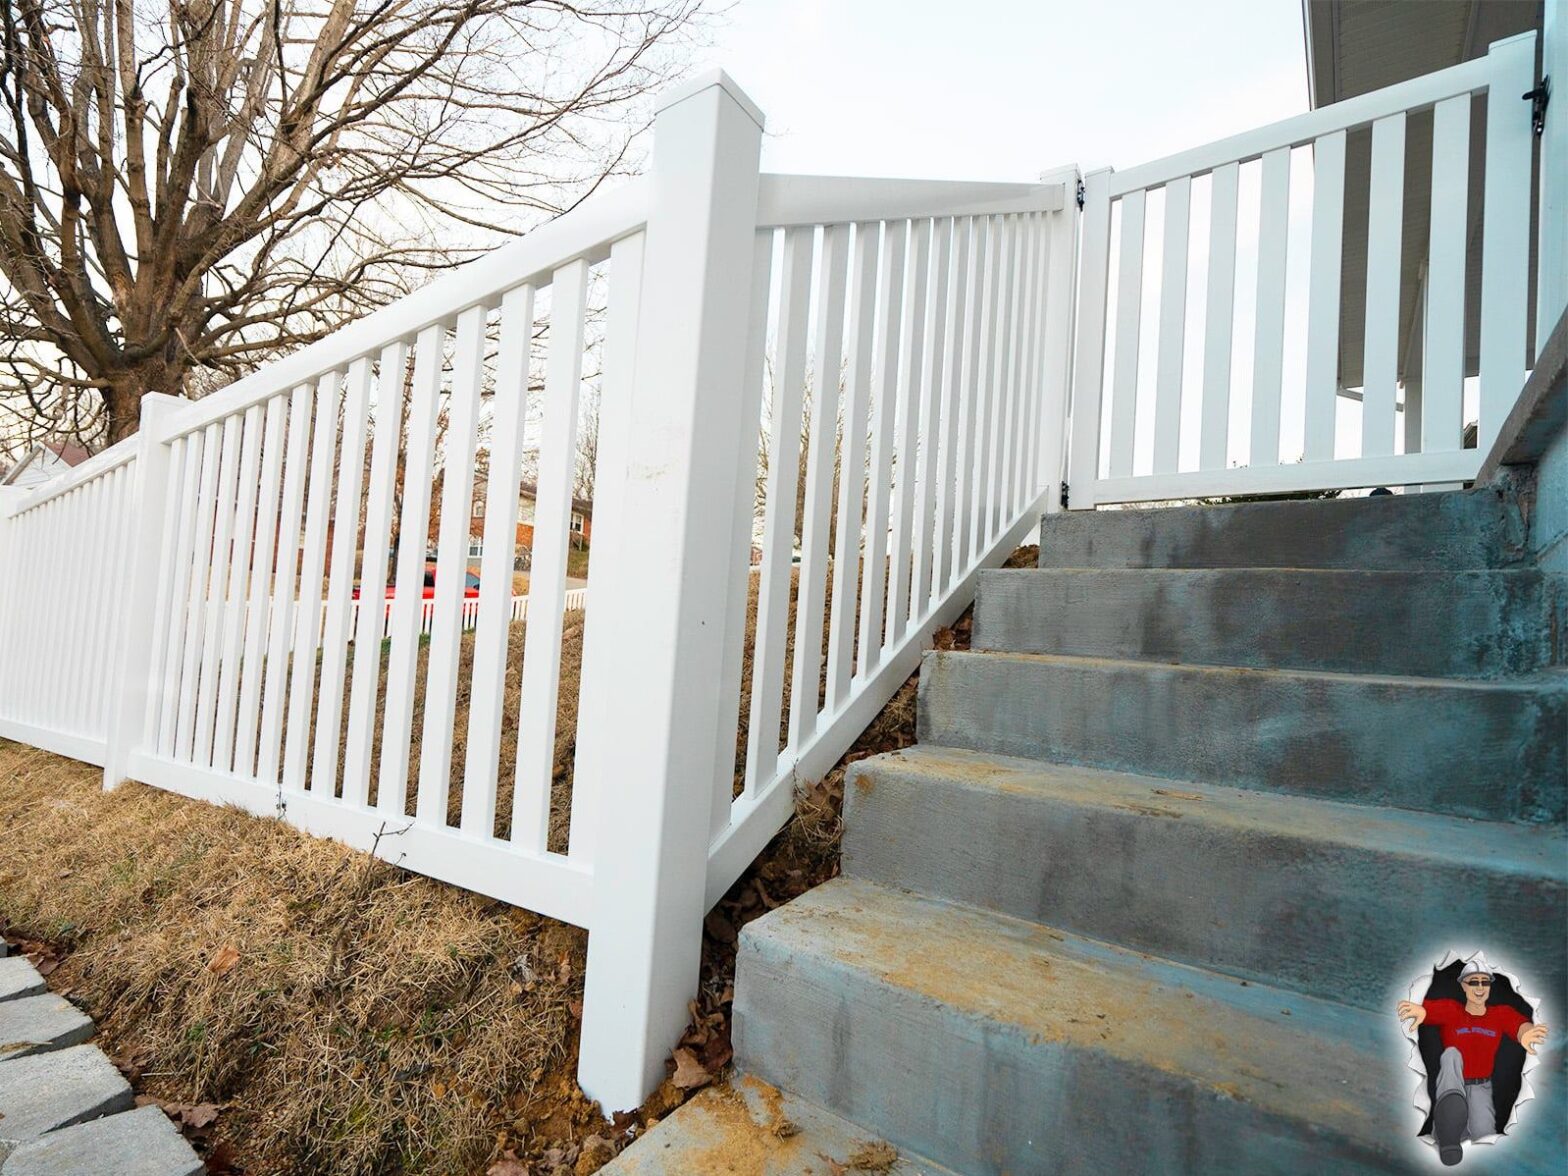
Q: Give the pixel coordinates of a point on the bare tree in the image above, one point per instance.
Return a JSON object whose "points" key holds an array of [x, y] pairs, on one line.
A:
{"points": [[765, 448], [188, 187], [587, 446]]}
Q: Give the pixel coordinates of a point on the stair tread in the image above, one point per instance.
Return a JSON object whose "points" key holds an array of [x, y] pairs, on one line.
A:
{"points": [[1478, 528], [1393, 575], [1500, 846], [755, 1129], [1553, 680], [1492, 749], [1291, 1056]]}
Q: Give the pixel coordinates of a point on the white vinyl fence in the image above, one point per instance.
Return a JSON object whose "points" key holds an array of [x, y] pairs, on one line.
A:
{"points": [[1136, 375], [66, 552], [220, 556], [184, 609]]}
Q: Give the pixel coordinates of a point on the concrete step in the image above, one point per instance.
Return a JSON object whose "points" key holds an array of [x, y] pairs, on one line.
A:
{"points": [[1401, 532], [1280, 889], [18, 978], [142, 1142], [1487, 750], [749, 1128], [48, 1091], [1439, 624], [995, 1045], [37, 1024]]}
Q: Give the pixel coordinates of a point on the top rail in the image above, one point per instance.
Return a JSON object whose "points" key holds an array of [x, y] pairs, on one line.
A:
{"points": [[584, 234], [787, 201], [1405, 97]]}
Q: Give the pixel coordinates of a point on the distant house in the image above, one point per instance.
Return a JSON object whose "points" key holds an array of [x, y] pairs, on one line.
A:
{"points": [[42, 463], [527, 496]]}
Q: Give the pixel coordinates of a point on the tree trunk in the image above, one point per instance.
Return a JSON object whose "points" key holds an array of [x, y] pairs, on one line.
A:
{"points": [[123, 398]]}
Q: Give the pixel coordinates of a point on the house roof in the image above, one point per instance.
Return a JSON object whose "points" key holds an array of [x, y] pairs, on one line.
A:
{"points": [[582, 506], [1356, 46], [66, 453]]}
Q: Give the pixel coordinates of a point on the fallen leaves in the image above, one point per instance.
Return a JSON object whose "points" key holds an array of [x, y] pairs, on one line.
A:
{"points": [[223, 960], [873, 1156], [45, 957], [193, 1119], [719, 927], [690, 1073]]}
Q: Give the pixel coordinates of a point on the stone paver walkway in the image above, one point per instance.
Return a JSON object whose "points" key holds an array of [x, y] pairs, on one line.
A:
{"points": [[64, 1109]]}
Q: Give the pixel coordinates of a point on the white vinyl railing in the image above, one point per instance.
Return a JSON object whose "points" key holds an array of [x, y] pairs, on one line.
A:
{"points": [[1134, 371], [223, 554], [185, 609], [935, 348], [65, 558]]}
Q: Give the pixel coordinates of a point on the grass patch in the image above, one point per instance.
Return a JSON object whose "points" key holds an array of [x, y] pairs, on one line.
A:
{"points": [[374, 1021]]}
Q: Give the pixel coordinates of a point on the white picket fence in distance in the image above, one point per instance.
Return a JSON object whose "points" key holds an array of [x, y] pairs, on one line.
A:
{"points": [[573, 600], [183, 608], [1136, 376]]}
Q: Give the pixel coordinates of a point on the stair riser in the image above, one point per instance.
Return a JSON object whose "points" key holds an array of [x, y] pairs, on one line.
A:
{"points": [[1466, 625], [1299, 912], [982, 1098], [1485, 751], [1436, 532]]}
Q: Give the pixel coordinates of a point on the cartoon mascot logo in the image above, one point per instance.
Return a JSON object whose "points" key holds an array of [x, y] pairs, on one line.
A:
{"points": [[1473, 1031]]}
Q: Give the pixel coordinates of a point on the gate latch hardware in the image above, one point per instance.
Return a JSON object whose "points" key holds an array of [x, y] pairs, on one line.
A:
{"points": [[1537, 98]]}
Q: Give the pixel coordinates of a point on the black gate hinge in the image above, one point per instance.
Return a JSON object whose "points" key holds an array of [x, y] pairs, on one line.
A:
{"points": [[1064, 495], [1081, 188], [1538, 98]]}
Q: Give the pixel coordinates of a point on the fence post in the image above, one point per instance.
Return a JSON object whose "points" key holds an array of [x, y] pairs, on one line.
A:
{"points": [[1089, 348], [133, 667], [1060, 313], [1505, 234], [1551, 288], [659, 770]]}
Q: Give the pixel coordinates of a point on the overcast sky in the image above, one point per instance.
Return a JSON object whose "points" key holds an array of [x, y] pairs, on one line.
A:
{"points": [[1005, 89]]}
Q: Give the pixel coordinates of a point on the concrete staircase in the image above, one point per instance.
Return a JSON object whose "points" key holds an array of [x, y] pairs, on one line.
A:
{"points": [[1213, 788]]}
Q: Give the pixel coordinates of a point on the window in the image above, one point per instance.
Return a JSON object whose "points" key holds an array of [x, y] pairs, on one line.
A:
{"points": [[577, 523], [479, 509], [476, 548]]}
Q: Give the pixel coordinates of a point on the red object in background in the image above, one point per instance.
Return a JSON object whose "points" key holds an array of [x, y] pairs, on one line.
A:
{"points": [[470, 585]]}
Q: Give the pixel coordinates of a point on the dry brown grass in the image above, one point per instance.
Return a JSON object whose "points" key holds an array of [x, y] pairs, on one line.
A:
{"points": [[375, 1022]]}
